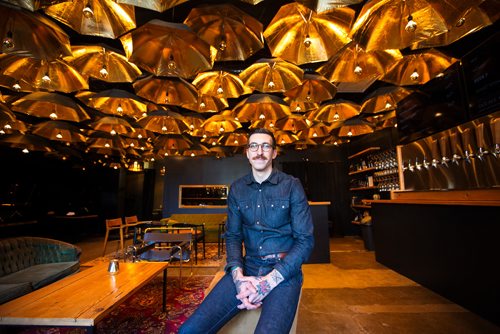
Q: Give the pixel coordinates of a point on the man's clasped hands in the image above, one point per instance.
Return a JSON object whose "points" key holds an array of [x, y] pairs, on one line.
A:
{"points": [[253, 289]]}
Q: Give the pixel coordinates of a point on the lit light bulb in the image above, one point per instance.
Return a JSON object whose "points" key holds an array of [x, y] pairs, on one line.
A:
{"points": [[222, 45], [144, 114], [271, 85], [308, 97], [25, 150], [59, 135], [171, 65], [214, 143], [107, 145], [358, 70], [262, 116], [298, 109], [7, 126], [46, 79], [119, 109], [152, 159], [112, 132], [2, 132], [192, 154], [204, 136], [115, 167], [220, 90], [87, 11], [349, 133], [191, 126], [336, 117], [271, 125], [315, 134], [132, 145], [414, 76], [460, 22], [388, 105], [53, 116], [164, 128], [221, 129], [335, 143], [236, 141], [307, 41], [16, 86], [8, 41], [166, 154], [283, 141], [139, 136], [411, 26], [103, 72], [202, 105]]}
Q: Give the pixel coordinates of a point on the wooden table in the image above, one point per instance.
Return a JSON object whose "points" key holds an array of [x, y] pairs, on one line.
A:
{"points": [[82, 299]]}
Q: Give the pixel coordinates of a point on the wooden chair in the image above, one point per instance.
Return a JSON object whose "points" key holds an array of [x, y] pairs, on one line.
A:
{"points": [[113, 224], [133, 221]]}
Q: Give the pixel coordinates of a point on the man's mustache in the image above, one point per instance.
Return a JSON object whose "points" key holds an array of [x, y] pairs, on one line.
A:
{"points": [[260, 156]]}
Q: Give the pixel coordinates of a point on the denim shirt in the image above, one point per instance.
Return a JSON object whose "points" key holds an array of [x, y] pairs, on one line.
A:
{"points": [[269, 218]]}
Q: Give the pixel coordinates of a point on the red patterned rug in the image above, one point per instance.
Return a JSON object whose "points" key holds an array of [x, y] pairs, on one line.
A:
{"points": [[141, 313]]}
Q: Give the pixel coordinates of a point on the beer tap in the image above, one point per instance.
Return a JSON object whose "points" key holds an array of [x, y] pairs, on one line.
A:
{"points": [[482, 151], [417, 164], [444, 147], [425, 163], [495, 131], [467, 139], [435, 154], [454, 146], [411, 167]]}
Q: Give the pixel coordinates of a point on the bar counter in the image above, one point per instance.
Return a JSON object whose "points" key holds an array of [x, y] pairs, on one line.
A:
{"points": [[321, 251], [447, 241]]}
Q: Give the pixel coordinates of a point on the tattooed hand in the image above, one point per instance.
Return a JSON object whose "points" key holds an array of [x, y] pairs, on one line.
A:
{"points": [[263, 285], [244, 289]]}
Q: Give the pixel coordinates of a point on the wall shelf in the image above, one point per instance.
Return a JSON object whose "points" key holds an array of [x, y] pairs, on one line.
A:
{"points": [[365, 151]]}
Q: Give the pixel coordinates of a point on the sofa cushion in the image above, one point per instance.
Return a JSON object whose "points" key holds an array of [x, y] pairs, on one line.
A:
{"points": [[10, 291], [42, 274]]}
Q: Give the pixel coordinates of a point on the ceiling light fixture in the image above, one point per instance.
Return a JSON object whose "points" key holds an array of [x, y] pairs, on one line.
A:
{"points": [[8, 41], [414, 76], [87, 11], [411, 26], [103, 72], [16, 86]]}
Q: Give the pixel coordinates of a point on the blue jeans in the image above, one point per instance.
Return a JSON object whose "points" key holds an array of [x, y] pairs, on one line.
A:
{"points": [[220, 306]]}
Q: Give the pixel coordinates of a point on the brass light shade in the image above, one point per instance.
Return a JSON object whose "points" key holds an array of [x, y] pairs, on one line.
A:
{"points": [[26, 142], [300, 106], [353, 64], [355, 127], [285, 137], [320, 6], [156, 5], [269, 75], [168, 90], [9, 123], [319, 130], [237, 139], [33, 5], [261, 106], [220, 84], [116, 102], [164, 122], [384, 99], [416, 69], [196, 150], [300, 35], [293, 123], [219, 124], [335, 111], [178, 50], [207, 104], [172, 142], [235, 34], [33, 34], [53, 75], [395, 24], [60, 131], [110, 144], [313, 89], [102, 63], [112, 125], [104, 18], [16, 85], [50, 105]]}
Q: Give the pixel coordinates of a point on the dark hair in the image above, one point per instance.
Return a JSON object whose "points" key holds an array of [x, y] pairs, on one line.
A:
{"points": [[264, 131]]}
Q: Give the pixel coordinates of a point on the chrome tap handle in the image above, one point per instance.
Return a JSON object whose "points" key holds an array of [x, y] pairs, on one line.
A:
{"points": [[496, 151], [456, 158], [417, 164], [425, 163], [410, 166]]}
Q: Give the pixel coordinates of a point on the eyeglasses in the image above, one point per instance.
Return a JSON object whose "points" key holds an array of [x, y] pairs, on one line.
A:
{"points": [[254, 147]]}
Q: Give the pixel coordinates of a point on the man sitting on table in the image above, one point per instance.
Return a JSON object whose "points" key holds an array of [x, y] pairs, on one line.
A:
{"points": [[269, 215]]}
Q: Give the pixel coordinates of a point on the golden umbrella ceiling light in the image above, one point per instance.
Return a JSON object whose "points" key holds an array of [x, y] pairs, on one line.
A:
{"points": [[260, 107], [193, 120], [335, 111], [395, 24], [26, 142], [50, 105], [416, 69], [384, 99], [319, 130], [285, 137], [104, 18], [355, 127], [196, 150], [300, 106], [164, 122], [471, 17], [156, 5], [178, 51], [293, 123], [220, 84], [102, 63], [233, 139], [168, 90], [207, 104], [320, 6], [313, 89], [110, 144], [300, 35], [49, 75], [60, 131], [235, 34], [33, 5], [32, 33], [219, 124], [272, 75], [112, 125], [353, 64], [116, 102], [16, 85], [172, 142], [8, 121]]}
